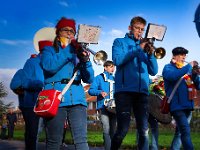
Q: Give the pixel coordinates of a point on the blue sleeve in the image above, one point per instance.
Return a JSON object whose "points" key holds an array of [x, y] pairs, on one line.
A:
{"points": [[122, 54], [152, 65], [171, 73], [94, 90], [34, 74], [87, 72], [52, 62], [17, 80]]}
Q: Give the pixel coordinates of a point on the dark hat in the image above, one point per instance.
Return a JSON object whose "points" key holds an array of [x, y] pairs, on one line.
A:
{"points": [[179, 50], [64, 22]]}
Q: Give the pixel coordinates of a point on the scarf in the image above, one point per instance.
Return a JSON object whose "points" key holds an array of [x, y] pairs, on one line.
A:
{"points": [[179, 65], [64, 41], [191, 87]]}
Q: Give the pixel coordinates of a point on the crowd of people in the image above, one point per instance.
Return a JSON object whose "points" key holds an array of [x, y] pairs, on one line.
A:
{"points": [[120, 96]]}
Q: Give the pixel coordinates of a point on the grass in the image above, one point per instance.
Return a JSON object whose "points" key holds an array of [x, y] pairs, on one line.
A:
{"points": [[95, 138]]}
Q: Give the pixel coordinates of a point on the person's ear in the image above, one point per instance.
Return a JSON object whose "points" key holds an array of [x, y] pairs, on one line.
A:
{"points": [[129, 28]]}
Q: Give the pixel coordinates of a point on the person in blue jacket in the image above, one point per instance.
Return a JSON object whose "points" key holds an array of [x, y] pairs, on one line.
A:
{"points": [[27, 83], [16, 85], [59, 63], [34, 83], [41, 45], [182, 103], [103, 88], [133, 67]]}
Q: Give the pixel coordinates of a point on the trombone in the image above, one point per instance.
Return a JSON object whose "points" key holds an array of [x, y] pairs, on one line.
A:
{"points": [[159, 52], [99, 58]]}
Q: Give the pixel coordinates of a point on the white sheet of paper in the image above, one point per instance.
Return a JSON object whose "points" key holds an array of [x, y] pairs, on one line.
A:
{"points": [[88, 34], [156, 31]]}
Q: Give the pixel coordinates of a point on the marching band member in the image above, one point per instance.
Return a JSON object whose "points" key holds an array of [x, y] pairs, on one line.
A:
{"points": [[103, 88], [27, 83], [59, 63], [41, 45], [182, 103], [133, 67], [157, 88]]}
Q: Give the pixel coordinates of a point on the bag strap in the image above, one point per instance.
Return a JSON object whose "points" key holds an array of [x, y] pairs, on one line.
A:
{"points": [[69, 83], [174, 90]]}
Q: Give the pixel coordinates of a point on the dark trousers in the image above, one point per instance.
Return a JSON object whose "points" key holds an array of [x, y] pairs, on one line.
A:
{"points": [[10, 131], [3, 133], [125, 102], [31, 128]]}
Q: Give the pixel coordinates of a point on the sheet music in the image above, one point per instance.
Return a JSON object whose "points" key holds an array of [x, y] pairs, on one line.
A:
{"points": [[88, 34], [156, 31]]}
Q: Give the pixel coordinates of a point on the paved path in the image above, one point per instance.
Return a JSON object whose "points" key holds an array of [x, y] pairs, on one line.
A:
{"points": [[19, 145]]}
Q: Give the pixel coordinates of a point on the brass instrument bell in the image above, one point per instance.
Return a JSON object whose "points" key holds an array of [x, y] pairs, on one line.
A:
{"points": [[159, 52], [99, 57]]}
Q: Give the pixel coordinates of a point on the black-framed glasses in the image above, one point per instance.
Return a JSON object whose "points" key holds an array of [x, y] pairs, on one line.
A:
{"points": [[138, 28], [68, 30]]}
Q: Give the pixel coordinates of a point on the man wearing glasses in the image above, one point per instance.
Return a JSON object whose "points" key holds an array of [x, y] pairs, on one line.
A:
{"points": [[133, 67]]}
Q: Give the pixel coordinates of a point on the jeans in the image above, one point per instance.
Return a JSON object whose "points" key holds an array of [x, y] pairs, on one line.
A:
{"points": [[125, 101], [176, 143], [154, 132], [108, 121], [40, 129], [31, 128], [182, 133], [77, 118]]}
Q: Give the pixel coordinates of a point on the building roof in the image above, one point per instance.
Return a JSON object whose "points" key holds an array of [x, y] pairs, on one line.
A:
{"points": [[89, 98]]}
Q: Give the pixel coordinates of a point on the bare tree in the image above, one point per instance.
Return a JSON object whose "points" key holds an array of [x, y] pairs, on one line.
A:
{"points": [[3, 94]]}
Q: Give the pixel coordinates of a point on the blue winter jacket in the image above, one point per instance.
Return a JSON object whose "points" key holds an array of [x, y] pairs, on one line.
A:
{"points": [[133, 65], [34, 81], [18, 82], [31, 80], [171, 74], [100, 84], [59, 66]]}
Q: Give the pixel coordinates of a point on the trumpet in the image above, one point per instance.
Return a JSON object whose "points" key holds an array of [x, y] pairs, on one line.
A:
{"points": [[195, 68], [99, 57], [159, 52]]}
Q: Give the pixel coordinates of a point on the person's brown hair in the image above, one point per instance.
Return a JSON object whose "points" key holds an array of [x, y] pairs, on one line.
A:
{"points": [[137, 19], [108, 63]]}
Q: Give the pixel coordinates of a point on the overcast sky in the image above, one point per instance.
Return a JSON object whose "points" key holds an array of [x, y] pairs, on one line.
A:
{"points": [[20, 21]]}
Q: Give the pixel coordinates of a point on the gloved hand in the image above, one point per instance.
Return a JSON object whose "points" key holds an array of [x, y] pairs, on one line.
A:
{"points": [[81, 52]]}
